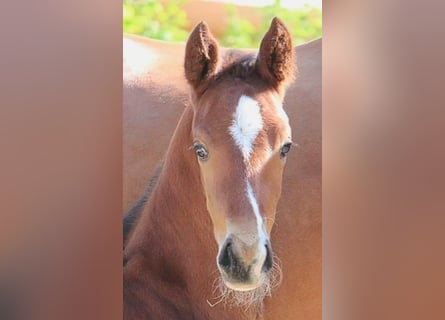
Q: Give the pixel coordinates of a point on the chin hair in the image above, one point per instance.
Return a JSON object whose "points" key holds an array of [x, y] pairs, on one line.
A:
{"points": [[251, 301]]}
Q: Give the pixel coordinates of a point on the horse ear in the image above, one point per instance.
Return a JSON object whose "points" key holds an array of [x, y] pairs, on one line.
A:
{"points": [[275, 60], [201, 55]]}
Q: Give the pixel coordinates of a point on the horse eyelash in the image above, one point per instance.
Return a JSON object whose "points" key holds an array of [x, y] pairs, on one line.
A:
{"points": [[294, 144], [193, 145]]}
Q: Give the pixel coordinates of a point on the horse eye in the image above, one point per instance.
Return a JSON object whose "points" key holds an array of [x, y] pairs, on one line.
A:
{"points": [[201, 152], [285, 149]]}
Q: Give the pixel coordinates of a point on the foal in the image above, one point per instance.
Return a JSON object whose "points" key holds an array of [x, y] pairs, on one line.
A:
{"points": [[221, 180]]}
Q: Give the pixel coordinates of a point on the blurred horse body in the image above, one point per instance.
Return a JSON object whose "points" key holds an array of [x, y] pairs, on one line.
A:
{"points": [[155, 95]]}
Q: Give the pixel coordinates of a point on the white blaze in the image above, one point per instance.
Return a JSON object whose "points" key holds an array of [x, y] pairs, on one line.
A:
{"points": [[247, 123], [256, 211]]}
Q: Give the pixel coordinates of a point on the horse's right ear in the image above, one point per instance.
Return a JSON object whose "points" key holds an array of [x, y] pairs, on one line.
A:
{"points": [[201, 55]]}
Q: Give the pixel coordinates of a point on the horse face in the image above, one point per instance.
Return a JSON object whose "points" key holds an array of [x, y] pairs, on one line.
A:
{"points": [[241, 148], [241, 137]]}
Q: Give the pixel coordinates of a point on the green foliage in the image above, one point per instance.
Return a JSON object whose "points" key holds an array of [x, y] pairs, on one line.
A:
{"points": [[152, 19], [240, 32], [167, 21], [305, 24]]}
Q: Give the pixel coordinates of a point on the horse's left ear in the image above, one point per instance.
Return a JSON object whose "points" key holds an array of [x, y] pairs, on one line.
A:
{"points": [[275, 61], [201, 55]]}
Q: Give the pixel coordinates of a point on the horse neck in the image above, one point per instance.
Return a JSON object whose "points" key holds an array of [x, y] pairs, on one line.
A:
{"points": [[174, 232], [173, 246], [178, 208]]}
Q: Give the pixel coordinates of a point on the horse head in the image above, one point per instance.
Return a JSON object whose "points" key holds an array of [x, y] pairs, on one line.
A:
{"points": [[241, 136]]}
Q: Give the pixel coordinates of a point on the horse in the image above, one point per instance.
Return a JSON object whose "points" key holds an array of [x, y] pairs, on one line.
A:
{"points": [[200, 244]]}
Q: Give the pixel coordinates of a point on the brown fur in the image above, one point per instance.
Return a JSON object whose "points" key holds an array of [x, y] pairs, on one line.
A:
{"points": [[155, 286], [274, 61], [201, 56]]}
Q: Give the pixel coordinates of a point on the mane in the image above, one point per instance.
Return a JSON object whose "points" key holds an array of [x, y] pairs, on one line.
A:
{"points": [[238, 64], [134, 213]]}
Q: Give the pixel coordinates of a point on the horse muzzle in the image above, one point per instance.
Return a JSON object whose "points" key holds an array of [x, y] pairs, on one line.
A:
{"points": [[243, 267]]}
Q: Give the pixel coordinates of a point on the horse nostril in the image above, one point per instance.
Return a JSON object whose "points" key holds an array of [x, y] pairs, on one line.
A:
{"points": [[268, 262], [226, 256]]}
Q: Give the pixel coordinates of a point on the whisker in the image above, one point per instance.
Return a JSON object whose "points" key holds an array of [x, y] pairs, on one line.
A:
{"points": [[216, 303], [249, 301]]}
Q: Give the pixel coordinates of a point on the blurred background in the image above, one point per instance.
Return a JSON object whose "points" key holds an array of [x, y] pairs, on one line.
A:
{"points": [[236, 23]]}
